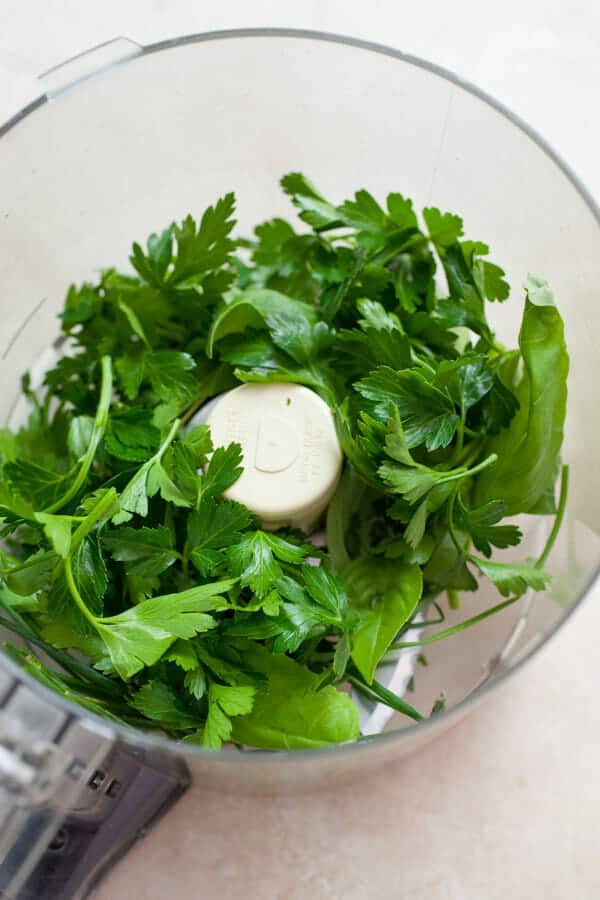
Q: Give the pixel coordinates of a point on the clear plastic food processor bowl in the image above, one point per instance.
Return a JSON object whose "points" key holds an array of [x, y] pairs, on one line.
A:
{"points": [[96, 162]]}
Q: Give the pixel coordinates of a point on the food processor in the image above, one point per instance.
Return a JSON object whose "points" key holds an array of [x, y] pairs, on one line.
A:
{"points": [[124, 138]]}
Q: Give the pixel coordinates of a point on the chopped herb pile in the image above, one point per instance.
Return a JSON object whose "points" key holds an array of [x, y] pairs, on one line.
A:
{"points": [[144, 595]]}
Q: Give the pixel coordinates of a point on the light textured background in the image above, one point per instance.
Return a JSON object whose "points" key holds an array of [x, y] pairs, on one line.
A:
{"points": [[506, 805]]}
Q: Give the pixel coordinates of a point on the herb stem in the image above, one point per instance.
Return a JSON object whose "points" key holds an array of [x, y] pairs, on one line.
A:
{"points": [[100, 423], [421, 362], [425, 622], [453, 535], [80, 534], [488, 461], [469, 453], [75, 593], [422, 347], [401, 645], [460, 435], [381, 694], [168, 440], [68, 662], [558, 519], [453, 598], [94, 516], [463, 472], [193, 409]]}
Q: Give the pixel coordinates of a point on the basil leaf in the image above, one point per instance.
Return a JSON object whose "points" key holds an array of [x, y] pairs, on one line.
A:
{"points": [[293, 713], [386, 595], [528, 450]]}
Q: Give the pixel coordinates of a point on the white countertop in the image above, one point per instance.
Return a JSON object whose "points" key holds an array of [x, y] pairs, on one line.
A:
{"points": [[505, 805]]}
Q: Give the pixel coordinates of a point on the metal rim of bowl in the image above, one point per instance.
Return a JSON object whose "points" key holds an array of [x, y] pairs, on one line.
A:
{"points": [[450, 716]]}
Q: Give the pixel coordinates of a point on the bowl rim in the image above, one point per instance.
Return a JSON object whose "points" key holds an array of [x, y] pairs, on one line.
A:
{"points": [[153, 742]]}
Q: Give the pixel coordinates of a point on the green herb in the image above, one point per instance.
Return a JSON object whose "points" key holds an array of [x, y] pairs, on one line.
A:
{"points": [[387, 595], [163, 604], [294, 711], [529, 448]]}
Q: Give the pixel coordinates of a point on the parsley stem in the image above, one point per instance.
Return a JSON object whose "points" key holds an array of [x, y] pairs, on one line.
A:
{"points": [[460, 436], [211, 386], [135, 323], [68, 662], [488, 461], [80, 534], [467, 473], [380, 694], [453, 598], [415, 342], [469, 454], [558, 519], [97, 511], [461, 550], [401, 645], [73, 590], [425, 622], [421, 362], [100, 424], [168, 440], [193, 409]]}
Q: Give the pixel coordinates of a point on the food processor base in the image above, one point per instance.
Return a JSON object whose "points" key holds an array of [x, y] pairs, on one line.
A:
{"points": [[71, 802]]}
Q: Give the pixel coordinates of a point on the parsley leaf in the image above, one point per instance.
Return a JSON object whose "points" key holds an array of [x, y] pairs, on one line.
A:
{"points": [[200, 248], [311, 609], [153, 265], [58, 531], [315, 210], [160, 703], [427, 414], [215, 526], [256, 559], [149, 480], [172, 377], [195, 682], [131, 435], [286, 319], [140, 635], [90, 578], [444, 228], [147, 551], [512, 578], [183, 654], [481, 524], [223, 470], [224, 702], [466, 380], [37, 484], [31, 575]]}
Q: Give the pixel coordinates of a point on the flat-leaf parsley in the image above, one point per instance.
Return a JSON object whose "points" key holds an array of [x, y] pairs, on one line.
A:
{"points": [[158, 601]]}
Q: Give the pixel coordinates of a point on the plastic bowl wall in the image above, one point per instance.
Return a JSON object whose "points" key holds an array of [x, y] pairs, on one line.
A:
{"points": [[121, 154]]}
